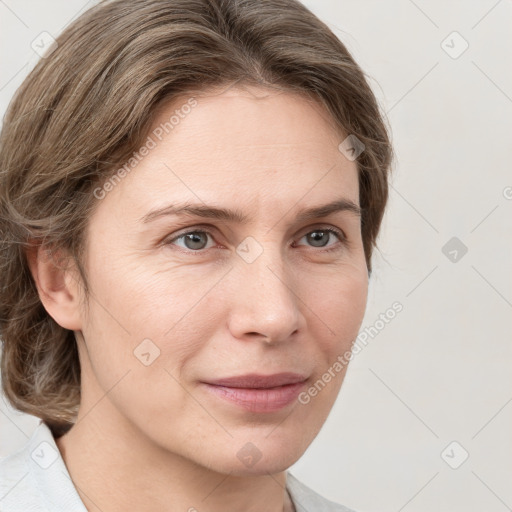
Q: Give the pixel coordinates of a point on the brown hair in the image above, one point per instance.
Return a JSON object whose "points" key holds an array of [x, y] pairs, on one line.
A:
{"points": [[86, 106]]}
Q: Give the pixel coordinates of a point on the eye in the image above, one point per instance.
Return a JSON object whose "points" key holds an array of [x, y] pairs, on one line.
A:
{"points": [[197, 240], [320, 237], [193, 240]]}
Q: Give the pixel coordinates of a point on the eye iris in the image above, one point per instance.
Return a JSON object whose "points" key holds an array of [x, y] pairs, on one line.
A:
{"points": [[314, 238], [195, 238], [198, 239]]}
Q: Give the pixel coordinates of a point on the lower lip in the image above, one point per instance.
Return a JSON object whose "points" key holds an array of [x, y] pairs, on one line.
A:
{"points": [[259, 400]]}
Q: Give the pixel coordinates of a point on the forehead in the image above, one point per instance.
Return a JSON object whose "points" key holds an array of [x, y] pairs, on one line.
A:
{"points": [[248, 146], [244, 118]]}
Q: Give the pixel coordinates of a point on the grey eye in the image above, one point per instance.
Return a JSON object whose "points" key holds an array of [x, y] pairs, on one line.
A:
{"points": [[194, 240], [319, 238]]}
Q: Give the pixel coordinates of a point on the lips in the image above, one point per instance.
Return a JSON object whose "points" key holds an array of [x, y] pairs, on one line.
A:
{"points": [[258, 393], [256, 381]]}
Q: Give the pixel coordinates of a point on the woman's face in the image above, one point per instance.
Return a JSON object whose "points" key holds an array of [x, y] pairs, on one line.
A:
{"points": [[271, 293]]}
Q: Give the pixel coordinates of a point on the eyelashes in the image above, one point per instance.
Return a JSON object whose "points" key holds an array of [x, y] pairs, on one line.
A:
{"points": [[193, 236]]}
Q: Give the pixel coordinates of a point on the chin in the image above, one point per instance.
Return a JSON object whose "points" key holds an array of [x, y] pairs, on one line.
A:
{"points": [[265, 466], [260, 457]]}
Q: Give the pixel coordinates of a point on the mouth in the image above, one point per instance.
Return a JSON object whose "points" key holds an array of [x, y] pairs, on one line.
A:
{"points": [[258, 393]]}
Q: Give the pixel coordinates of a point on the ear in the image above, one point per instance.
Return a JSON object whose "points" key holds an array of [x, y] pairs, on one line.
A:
{"points": [[57, 284]]}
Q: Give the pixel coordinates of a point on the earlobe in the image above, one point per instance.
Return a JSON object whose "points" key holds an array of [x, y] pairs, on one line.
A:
{"points": [[57, 285]]}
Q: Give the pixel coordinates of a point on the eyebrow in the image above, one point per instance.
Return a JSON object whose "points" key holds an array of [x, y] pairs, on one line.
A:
{"points": [[236, 216]]}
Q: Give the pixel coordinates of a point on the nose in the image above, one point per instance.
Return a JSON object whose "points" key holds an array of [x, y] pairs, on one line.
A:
{"points": [[265, 304]]}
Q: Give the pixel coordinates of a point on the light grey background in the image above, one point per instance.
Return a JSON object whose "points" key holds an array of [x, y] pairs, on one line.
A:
{"points": [[440, 371]]}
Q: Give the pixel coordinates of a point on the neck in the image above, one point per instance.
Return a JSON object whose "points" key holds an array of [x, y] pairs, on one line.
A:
{"points": [[116, 468]]}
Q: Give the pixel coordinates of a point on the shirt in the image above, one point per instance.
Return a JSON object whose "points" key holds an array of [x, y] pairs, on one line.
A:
{"points": [[36, 479]]}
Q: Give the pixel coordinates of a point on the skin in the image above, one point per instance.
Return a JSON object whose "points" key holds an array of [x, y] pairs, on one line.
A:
{"points": [[170, 444]]}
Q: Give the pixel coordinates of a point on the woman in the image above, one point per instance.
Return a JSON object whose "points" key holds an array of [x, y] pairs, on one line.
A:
{"points": [[191, 192]]}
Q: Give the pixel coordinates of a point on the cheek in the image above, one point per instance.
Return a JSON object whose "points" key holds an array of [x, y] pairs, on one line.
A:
{"points": [[139, 337], [337, 302], [335, 310], [132, 303]]}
